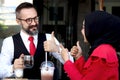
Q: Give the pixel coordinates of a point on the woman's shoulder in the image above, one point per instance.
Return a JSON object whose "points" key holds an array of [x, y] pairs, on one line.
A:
{"points": [[105, 51], [104, 48], [105, 45]]}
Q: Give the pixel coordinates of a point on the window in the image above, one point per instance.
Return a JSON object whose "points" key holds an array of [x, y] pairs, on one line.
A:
{"points": [[8, 25], [56, 13]]}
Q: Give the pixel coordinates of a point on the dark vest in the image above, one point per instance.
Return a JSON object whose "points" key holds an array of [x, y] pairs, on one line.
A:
{"points": [[39, 57]]}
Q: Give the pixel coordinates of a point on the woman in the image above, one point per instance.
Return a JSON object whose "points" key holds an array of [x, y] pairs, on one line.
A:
{"points": [[102, 31]]}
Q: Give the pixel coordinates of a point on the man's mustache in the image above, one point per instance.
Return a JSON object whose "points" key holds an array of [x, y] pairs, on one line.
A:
{"points": [[32, 26]]}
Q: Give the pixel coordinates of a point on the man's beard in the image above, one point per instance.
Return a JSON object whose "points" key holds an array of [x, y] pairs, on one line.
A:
{"points": [[34, 32]]}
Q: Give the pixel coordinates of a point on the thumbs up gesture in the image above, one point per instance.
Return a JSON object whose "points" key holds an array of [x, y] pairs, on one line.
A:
{"points": [[76, 51], [50, 45]]}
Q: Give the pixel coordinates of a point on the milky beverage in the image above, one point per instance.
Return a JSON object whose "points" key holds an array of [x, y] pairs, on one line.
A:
{"points": [[47, 72]]}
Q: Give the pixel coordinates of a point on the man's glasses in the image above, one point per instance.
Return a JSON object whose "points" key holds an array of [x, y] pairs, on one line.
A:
{"points": [[29, 20]]}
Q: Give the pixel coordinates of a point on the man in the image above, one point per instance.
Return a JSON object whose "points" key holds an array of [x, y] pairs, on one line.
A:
{"points": [[15, 47]]}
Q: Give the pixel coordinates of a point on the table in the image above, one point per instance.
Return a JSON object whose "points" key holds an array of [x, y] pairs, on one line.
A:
{"points": [[18, 79], [15, 79]]}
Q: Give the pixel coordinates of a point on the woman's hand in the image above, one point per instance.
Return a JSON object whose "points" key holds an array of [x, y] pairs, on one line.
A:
{"points": [[64, 53], [76, 51]]}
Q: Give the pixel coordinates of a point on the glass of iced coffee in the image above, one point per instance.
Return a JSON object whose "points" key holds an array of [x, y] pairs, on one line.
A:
{"points": [[47, 70], [28, 61]]}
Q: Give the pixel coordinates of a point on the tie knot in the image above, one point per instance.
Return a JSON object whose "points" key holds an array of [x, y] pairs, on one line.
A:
{"points": [[30, 38]]}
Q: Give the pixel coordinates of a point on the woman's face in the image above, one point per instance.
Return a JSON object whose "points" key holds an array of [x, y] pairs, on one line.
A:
{"points": [[83, 32]]}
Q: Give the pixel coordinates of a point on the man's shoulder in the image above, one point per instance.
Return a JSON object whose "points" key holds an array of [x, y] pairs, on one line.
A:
{"points": [[7, 39]]}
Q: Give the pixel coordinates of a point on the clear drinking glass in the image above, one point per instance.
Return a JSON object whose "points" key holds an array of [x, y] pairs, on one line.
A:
{"points": [[47, 70], [28, 61]]}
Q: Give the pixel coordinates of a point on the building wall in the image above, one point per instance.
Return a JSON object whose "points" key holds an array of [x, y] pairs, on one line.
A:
{"points": [[84, 8]]}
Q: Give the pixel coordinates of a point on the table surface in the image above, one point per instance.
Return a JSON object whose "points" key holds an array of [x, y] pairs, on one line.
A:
{"points": [[18, 79], [15, 79]]}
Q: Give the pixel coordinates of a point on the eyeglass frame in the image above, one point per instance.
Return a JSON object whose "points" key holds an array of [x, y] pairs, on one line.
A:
{"points": [[29, 20]]}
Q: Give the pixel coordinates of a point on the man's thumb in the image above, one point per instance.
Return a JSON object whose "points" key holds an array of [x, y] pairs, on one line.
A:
{"points": [[52, 36], [21, 56]]}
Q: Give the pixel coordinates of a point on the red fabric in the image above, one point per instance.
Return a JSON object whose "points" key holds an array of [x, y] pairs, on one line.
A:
{"points": [[32, 46], [101, 65]]}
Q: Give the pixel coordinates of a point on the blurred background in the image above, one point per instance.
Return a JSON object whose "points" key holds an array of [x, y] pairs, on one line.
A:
{"points": [[62, 16]]}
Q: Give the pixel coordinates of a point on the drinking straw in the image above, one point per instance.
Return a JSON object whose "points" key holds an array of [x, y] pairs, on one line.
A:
{"points": [[46, 59]]}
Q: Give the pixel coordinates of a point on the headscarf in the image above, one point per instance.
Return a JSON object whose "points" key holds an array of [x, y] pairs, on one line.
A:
{"points": [[102, 27]]}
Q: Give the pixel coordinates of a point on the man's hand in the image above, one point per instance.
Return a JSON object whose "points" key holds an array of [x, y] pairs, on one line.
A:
{"points": [[19, 63], [50, 45]]}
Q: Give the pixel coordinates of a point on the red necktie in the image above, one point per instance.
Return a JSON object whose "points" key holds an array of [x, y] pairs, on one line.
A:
{"points": [[31, 46]]}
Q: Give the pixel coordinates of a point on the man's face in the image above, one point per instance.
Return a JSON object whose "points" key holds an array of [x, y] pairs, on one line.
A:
{"points": [[29, 21]]}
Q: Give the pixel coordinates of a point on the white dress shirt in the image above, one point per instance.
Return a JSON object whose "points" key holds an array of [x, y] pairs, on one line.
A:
{"points": [[7, 53]]}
